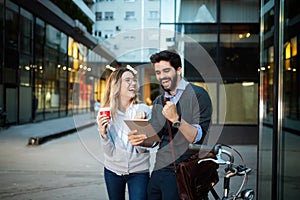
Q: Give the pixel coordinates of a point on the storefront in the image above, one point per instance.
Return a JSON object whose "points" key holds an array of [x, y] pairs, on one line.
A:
{"points": [[48, 70], [278, 174]]}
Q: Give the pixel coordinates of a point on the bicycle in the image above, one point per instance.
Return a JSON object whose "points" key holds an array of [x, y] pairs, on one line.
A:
{"points": [[230, 171]]}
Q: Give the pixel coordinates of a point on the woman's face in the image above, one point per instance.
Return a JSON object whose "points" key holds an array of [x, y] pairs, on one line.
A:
{"points": [[128, 85]]}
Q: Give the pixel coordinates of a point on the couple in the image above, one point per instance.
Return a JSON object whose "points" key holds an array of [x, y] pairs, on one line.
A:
{"points": [[181, 115]]}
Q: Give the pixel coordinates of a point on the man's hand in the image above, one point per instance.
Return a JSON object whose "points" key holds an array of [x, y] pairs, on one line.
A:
{"points": [[170, 111], [136, 138]]}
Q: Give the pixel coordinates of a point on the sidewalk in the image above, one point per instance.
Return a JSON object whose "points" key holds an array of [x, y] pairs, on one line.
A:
{"points": [[60, 169], [41, 132], [74, 161]]}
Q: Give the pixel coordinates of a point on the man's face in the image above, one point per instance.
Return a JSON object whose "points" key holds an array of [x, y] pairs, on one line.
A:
{"points": [[167, 75]]}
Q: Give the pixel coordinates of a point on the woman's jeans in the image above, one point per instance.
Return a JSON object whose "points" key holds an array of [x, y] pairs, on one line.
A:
{"points": [[136, 183]]}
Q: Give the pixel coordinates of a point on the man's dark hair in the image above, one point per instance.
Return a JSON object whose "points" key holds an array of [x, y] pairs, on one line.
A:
{"points": [[167, 55]]}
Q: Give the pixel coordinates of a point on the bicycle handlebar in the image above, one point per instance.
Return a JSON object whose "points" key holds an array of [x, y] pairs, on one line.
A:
{"points": [[218, 151], [219, 161], [231, 169]]}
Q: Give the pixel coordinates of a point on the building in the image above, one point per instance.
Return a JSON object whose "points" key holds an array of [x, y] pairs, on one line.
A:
{"points": [[49, 59], [114, 18], [279, 105]]}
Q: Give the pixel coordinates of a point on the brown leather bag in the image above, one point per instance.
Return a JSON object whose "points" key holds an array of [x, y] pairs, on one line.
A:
{"points": [[195, 180]]}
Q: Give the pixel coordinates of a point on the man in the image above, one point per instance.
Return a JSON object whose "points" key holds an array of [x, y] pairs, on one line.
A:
{"points": [[180, 116]]}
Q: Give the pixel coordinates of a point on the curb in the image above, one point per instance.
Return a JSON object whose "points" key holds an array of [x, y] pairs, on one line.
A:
{"points": [[36, 141]]}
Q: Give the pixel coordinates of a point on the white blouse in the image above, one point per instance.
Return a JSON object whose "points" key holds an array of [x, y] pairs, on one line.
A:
{"points": [[119, 155]]}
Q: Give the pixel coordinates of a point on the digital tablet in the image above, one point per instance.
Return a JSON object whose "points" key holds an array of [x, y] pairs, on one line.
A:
{"points": [[143, 126]]}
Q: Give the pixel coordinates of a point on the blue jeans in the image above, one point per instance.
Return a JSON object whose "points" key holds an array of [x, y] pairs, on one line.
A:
{"points": [[163, 185], [137, 185]]}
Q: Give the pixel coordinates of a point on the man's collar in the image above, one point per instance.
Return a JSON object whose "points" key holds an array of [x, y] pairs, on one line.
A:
{"points": [[181, 86]]}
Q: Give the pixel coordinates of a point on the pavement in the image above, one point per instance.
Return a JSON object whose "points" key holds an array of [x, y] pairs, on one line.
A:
{"points": [[59, 167], [62, 157]]}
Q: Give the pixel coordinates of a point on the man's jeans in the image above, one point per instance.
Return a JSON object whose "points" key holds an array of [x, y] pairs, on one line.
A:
{"points": [[163, 185], [136, 183]]}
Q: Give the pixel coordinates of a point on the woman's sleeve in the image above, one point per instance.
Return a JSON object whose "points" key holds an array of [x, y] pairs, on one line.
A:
{"points": [[107, 145]]}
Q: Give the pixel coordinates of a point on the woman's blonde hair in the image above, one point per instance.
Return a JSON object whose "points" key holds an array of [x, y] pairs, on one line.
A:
{"points": [[112, 90]]}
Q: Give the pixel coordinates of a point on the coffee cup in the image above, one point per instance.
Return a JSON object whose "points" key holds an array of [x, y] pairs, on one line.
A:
{"points": [[105, 111]]}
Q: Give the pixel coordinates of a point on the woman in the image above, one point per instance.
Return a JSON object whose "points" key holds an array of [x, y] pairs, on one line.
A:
{"points": [[123, 163]]}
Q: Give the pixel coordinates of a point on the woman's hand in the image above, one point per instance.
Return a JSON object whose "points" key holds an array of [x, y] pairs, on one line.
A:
{"points": [[136, 138], [102, 122]]}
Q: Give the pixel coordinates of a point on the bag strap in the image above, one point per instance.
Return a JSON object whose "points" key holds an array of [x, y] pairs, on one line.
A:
{"points": [[171, 139]]}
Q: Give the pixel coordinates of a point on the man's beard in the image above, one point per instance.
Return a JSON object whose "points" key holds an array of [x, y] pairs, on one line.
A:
{"points": [[173, 85]]}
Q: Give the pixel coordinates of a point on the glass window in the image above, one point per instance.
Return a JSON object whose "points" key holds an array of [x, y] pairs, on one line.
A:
{"points": [[39, 35], [108, 15], [26, 47], [98, 16], [153, 15], [11, 28], [234, 49], [130, 15], [26, 32], [52, 37], [39, 93], [289, 133], [51, 66], [11, 58], [268, 21], [25, 70], [239, 11], [279, 101], [63, 45], [239, 52], [80, 88], [266, 106], [62, 71], [246, 96], [198, 11], [1, 36], [265, 147], [212, 91]]}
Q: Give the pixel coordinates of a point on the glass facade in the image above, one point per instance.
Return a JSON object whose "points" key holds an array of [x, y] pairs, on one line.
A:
{"points": [[278, 177], [229, 33], [45, 72]]}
